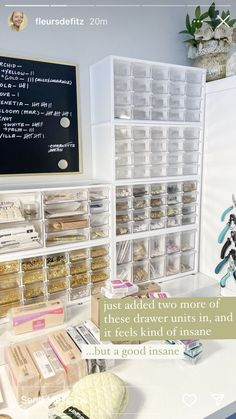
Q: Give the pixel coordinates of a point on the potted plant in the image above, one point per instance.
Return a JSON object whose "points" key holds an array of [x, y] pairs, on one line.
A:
{"points": [[211, 38]]}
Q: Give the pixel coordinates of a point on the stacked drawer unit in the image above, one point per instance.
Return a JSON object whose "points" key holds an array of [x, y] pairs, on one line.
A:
{"points": [[143, 151], [146, 91], [156, 257], [154, 206], [71, 275]]}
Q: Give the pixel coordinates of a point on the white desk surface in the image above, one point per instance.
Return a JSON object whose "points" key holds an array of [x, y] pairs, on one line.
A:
{"points": [[166, 389]]}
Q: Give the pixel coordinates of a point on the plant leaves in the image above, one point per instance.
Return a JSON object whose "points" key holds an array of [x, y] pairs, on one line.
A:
{"points": [[184, 32], [231, 22], [192, 42], [204, 16], [188, 24], [198, 12]]}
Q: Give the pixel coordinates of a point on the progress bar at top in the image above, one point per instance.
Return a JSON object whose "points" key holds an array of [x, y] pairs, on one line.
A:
{"points": [[113, 5]]}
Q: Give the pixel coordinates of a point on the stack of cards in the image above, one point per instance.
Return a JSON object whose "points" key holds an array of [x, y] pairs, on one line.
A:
{"points": [[119, 288]]}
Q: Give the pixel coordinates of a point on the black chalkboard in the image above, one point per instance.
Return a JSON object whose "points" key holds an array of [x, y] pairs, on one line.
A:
{"points": [[38, 117]]}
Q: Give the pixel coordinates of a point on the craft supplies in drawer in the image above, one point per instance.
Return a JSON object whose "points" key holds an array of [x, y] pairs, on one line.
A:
{"points": [[159, 158], [158, 170], [57, 272], [15, 237], [157, 267], [9, 281], [99, 232], [158, 212], [66, 223], [123, 216], [121, 68], [96, 288], [140, 133], [160, 101], [122, 98], [4, 309], [79, 267], [123, 133], [78, 293], [189, 219], [124, 272], [77, 280], [99, 251], [160, 73], [141, 158], [157, 201], [65, 196], [62, 295], [123, 204], [140, 226], [12, 294], [156, 224], [124, 146], [13, 266], [97, 207], [188, 240], [54, 239], [123, 172], [34, 290], [140, 191], [141, 146], [173, 264], [189, 197], [173, 210], [140, 203], [30, 277], [124, 159], [174, 221], [173, 242], [77, 255], [158, 146], [175, 145], [123, 84], [160, 87], [140, 249], [57, 285], [100, 263], [140, 215], [141, 171], [190, 169], [189, 186], [173, 188], [125, 228], [175, 198], [158, 188], [123, 191], [189, 209], [157, 246], [141, 85], [65, 209], [32, 263], [187, 261], [141, 271], [57, 259], [96, 194], [100, 275], [99, 219], [123, 252]]}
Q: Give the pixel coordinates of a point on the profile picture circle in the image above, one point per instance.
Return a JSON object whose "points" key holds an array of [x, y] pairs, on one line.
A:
{"points": [[17, 21]]}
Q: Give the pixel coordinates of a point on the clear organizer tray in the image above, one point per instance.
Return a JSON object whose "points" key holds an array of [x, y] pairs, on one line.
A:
{"points": [[141, 99], [157, 246], [124, 272], [9, 281], [158, 223], [124, 159], [99, 232], [173, 243], [77, 255], [34, 290], [100, 263], [56, 259], [79, 293], [57, 285], [187, 261], [101, 219], [123, 204], [157, 268], [12, 295], [123, 191], [141, 272], [10, 267], [78, 280], [123, 252], [30, 277], [125, 228], [140, 226], [123, 133], [54, 239], [96, 207], [157, 201], [64, 196], [65, 209], [123, 146], [141, 146], [173, 264], [100, 275], [32, 263], [66, 223], [58, 271]]}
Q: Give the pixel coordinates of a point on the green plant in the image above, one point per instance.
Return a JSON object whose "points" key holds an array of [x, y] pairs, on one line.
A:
{"points": [[201, 18]]}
